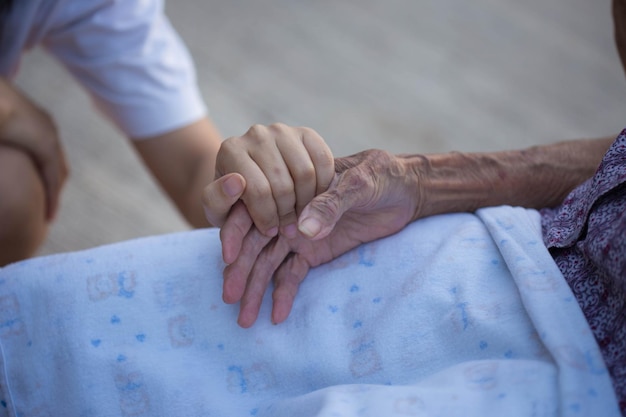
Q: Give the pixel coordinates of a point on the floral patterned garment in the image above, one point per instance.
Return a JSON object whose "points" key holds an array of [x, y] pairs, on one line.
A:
{"points": [[586, 236]]}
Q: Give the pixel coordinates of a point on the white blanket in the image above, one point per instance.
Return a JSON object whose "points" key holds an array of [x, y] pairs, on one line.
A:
{"points": [[456, 315]]}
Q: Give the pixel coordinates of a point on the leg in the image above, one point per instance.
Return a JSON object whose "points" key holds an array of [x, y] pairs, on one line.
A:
{"points": [[22, 206]]}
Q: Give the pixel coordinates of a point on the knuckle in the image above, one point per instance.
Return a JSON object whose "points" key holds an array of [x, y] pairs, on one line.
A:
{"points": [[278, 126], [303, 173], [309, 133], [256, 131], [377, 156], [354, 182], [258, 135], [229, 146]]}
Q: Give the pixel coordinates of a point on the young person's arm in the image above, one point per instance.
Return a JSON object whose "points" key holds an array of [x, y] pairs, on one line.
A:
{"points": [[141, 75], [205, 177], [183, 162]]}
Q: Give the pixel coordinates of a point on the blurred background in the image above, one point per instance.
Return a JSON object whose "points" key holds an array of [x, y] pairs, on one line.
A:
{"points": [[403, 75]]}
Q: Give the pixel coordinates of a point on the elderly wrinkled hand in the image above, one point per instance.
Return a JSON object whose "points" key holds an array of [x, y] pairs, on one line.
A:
{"points": [[373, 194]]}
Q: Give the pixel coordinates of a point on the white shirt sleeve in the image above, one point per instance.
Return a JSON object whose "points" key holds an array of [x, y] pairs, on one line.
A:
{"points": [[131, 61]]}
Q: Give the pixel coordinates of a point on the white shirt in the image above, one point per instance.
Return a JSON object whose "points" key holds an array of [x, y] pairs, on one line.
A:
{"points": [[124, 52]]}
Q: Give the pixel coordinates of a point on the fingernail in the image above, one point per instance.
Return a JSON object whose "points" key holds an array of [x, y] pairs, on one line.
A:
{"points": [[310, 226], [272, 232], [232, 186]]}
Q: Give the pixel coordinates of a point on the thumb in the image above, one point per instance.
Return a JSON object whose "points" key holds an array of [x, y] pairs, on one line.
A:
{"points": [[219, 196], [319, 217]]}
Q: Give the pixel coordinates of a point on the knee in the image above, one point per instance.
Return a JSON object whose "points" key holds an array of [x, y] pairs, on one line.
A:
{"points": [[22, 207]]}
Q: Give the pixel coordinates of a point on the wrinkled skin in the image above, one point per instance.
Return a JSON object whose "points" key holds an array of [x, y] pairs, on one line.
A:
{"points": [[372, 195]]}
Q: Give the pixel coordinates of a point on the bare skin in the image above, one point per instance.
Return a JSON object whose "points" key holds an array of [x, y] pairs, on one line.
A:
{"points": [[22, 207], [262, 168], [183, 161], [32, 173], [26, 127], [375, 194], [191, 164], [391, 191]]}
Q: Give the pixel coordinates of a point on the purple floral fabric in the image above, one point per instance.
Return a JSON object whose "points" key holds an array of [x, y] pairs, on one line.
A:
{"points": [[586, 235]]}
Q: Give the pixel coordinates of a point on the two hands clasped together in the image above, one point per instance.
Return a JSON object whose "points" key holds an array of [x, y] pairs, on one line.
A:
{"points": [[283, 203], [277, 194], [305, 209], [323, 208]]}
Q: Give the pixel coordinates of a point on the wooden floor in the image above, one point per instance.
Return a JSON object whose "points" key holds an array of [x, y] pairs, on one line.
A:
{"points": [[403, 75]]}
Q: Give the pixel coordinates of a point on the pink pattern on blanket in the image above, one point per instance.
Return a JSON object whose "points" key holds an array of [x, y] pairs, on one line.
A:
{"points": [[587, 238]]}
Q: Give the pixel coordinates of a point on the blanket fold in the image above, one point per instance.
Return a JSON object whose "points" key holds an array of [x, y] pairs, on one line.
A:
{"points": [[456, 314]]}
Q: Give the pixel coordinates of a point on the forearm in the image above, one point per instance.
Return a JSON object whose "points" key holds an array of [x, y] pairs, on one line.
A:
{"points": [[537, 177], [183, 162]]}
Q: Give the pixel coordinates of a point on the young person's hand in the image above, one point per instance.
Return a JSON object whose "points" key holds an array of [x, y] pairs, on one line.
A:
{"points": [[275, 171], [27, 127], [373, 194]]}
